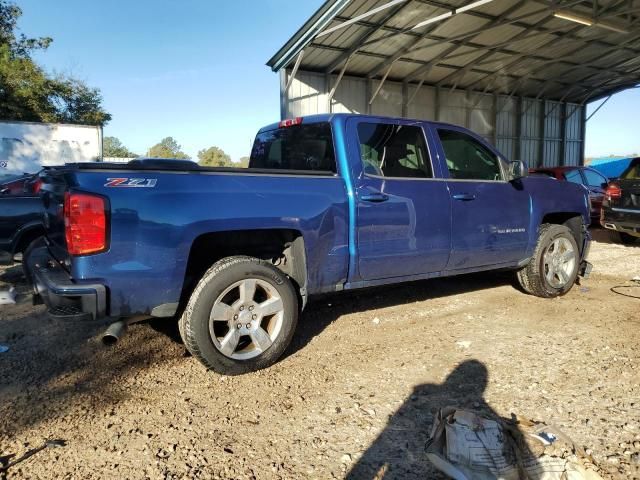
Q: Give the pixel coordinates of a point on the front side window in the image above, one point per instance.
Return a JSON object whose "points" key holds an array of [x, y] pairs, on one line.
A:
{"points": [[399, 151], [298, 147], [467, 158], [594, 179], [573, 176]]}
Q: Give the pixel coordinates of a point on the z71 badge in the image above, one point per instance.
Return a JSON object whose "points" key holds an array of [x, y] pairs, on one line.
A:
{"points": [[131, 182]]}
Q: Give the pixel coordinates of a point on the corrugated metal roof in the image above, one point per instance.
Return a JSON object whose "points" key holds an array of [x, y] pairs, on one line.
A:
{"points": [[512, 47]]}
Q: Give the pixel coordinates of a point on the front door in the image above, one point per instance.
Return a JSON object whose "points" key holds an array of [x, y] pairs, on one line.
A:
{"points": [[403, 211], [490, 216]]}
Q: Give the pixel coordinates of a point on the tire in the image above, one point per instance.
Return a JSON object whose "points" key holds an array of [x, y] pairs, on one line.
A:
{"points": [[256, 313], [553, 269], [624, 238]]}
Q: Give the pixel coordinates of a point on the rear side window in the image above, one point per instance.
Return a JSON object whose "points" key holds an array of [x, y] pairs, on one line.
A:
{"points": [[388, 150], [573, 176], [632, 172], [594, 179], [467, 158], [299, 147]]}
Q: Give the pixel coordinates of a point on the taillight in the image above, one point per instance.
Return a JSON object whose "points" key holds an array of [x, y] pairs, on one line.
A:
{"points": [[85, 223], [290, 122], [613, 191], [37, 185]]}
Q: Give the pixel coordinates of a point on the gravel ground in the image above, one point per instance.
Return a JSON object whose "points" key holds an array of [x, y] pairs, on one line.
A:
{"points": [[355, 395]]}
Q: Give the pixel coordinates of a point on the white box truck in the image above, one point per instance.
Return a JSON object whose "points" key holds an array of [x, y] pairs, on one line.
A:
{"points": [[26, 147]]}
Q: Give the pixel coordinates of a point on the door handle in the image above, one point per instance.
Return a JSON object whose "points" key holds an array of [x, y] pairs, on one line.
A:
{"points": [[374, 197], [464, 197]]}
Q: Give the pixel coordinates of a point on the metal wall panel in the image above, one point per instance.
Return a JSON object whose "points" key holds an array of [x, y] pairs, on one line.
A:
{"points": [[574, 134], [506, 126], [423, 105], [388, 102], [453, 107], [307, 95], [533, 130], [350, 96]]}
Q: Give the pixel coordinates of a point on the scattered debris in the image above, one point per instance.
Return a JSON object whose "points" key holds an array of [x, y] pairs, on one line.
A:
{"points": [[376, 321], [466, 446], [32, 452], [8, 297], [463, 343]]}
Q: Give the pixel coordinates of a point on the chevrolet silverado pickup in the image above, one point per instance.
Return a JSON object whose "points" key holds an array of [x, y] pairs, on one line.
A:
{"points": [[328, 203]]}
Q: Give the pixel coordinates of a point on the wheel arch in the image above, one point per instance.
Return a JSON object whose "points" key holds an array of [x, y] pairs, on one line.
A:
{"points": [[25, 235], [572, 220], [283, 248]]}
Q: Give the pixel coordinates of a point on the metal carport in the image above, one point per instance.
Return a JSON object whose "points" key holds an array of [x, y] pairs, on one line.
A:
{"points": [[517, 72]]}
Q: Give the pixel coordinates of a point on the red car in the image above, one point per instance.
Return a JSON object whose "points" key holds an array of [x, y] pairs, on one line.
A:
{"points": [[20, 184], [593, 180]]}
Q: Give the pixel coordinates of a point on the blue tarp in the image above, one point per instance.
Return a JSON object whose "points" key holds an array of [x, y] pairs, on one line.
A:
{"points": [[610, 167]]}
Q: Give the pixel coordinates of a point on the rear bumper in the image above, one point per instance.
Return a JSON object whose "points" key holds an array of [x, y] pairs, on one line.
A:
{"points": [[621, 220], [64, 298]]}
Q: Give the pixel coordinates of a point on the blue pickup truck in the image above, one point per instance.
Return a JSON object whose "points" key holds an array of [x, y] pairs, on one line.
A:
{"points": [[328, 203]]}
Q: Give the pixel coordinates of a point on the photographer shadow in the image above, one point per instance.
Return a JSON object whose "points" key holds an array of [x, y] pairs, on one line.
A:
{"points": [[399, 451]]}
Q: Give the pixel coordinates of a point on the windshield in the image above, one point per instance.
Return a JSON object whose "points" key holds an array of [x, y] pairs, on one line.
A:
{"points": [[633, 171], [299, 147]]}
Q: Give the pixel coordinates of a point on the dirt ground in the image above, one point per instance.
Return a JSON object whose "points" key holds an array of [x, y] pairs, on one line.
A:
{"points": [[353, 398]]}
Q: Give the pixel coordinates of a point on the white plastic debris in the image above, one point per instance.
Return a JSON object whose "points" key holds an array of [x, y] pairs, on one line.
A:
{"points": [[8, 297], [463, 343], [4, 348], [467, 446]]}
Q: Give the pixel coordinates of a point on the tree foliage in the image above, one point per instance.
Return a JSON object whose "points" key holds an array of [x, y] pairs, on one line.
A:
{"points": [[167, 148], [113, 147], [243, 162], [214, 157], [28, 93]]}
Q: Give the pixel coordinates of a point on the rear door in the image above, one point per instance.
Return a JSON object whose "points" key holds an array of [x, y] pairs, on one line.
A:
{"points": [[490, 216], [403, 220]]}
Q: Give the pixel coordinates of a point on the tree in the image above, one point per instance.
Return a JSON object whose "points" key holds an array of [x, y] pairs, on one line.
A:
{"points": [[113, 147], [243, 162], [167, 148], [28, 93], [214, 157]]}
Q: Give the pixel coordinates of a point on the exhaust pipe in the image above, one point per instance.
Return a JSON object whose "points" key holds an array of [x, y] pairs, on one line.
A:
{"points": [[118, 329], [114, 332]]}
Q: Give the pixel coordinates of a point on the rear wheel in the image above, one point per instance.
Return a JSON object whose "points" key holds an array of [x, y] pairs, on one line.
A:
{"points": [[554, 267], [241, 316]]}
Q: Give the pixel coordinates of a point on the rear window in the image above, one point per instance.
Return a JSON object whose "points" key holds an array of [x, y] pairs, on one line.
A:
{"points": [[299, 147], [633, 171]]}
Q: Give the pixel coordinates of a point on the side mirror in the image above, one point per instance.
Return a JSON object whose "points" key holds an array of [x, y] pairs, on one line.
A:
{"points": [[518, 169]]}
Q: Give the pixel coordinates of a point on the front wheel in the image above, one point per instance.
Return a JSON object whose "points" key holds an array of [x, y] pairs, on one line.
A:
{"points": [[553, 269], [241, 316]]}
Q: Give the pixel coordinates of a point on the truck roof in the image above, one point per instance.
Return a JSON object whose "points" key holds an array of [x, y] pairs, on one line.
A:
{"points": [[329, 117]]}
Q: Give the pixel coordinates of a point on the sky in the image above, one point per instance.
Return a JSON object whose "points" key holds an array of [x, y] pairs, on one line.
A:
{"points": [[191, 69], [195, 69]]}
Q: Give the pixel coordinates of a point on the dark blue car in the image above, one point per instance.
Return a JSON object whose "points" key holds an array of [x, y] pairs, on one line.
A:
{"points": [[328, 203]]}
